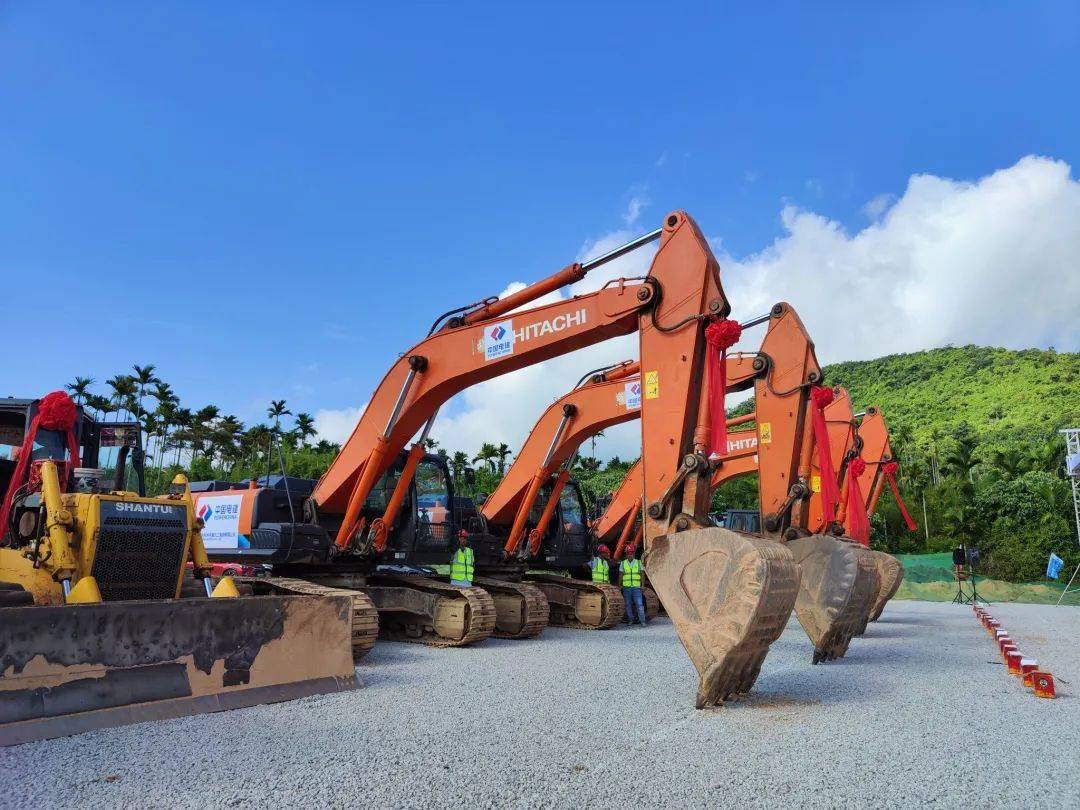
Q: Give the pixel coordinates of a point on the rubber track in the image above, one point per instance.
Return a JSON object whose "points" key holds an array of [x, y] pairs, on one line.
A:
{"points": [[365, 618], [481, 609], [614, 606], [537, 611]]}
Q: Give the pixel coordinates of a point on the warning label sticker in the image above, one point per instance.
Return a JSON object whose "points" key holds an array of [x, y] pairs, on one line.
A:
{"points": [[652, 384]]}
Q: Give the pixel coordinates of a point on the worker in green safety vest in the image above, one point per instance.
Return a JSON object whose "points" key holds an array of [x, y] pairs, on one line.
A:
{"points": [[630, 576], [462, 564], [601, 565]]}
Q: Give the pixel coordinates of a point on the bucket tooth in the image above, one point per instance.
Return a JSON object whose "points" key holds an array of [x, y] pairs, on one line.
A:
{"points": [[891, 572], [729, 596], [834, 595]]}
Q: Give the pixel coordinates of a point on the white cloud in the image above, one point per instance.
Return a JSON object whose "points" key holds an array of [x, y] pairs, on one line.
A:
{"points": [[878, 205], [335, 425], [634, 208], [994, 261]]}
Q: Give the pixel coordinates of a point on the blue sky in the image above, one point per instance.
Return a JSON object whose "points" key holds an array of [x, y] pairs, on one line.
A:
{"points": [[273, 199]]}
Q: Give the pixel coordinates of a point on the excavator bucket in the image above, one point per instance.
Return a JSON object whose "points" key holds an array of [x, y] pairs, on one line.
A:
{"points": [[868, 566], [835, 595], [891, 572], [729, 596], [66, 669]]}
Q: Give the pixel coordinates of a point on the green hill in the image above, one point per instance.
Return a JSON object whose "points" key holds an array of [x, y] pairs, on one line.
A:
{"points": [[1007, 400]]}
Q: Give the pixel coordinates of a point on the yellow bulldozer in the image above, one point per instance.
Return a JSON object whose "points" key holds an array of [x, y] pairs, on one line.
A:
{"points": [[108, 613]]}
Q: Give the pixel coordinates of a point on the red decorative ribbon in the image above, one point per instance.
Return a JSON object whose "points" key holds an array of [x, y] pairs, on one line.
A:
{"points": [[858, 520], [890, 468], [55, 411], [830, 492], [720, 335]]}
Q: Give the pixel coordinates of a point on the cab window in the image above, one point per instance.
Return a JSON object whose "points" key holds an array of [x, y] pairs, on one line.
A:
{"points": [[433, 500], [570, 506]]}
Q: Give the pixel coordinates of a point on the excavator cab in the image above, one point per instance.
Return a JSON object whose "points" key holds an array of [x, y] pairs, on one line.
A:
{"points": [[426, 532], [565, 546]]}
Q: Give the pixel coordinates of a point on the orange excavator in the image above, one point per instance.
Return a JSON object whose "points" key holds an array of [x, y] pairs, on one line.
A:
{"points": [[787, 450], [729, 595], [863, 435], [523, 508], [859, 447]]}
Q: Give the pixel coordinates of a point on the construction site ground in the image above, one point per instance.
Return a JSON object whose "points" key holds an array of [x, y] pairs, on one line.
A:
{"points": [[921, 710]]}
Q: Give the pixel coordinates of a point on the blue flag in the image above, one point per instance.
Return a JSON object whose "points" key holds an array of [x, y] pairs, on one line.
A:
{"points": [[1053, 568]]}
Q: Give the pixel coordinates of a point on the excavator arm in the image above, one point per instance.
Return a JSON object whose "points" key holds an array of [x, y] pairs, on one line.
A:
{"points": [[838, 579], [668, 307], [877, 455], [605, 398], [781, 373], [612, 396]]}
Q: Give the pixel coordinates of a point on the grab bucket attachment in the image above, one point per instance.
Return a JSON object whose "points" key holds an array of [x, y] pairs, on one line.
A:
{"points": [[891, 572], [72, 668], [835, 594], [729, 596]]}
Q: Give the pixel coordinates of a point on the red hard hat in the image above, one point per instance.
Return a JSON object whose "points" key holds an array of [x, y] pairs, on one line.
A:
{"points": [[603, 550]]}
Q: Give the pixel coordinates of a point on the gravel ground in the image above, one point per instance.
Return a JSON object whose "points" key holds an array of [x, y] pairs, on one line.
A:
{"points": [[919, 711]]}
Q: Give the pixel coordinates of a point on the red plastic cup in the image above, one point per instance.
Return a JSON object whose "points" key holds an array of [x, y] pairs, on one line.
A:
{"points": [[1012, 661], [1028, 666]]}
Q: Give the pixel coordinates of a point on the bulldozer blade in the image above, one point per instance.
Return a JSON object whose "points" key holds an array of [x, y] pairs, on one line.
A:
{"points": [[891, 572], [729, 596], [73, 668], [868, 566], [834, 595]]}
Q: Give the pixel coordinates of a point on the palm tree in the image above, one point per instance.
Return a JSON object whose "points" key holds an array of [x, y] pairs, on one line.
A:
{"points": [[225, 439], [144, 376], [962, 458], [586, 464], [257, 438], [487, 454], [100, 405], [123, 388], [80, 388], [502, 452], [304, 427], [183, 421], [1009, 464], [592, 442], [1048, 456], [458, 462], [202, 428], [277, 410]]}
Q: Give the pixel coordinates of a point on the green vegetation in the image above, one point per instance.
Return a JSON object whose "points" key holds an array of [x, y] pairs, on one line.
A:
{"points": [[974, 429], [204, 443]]}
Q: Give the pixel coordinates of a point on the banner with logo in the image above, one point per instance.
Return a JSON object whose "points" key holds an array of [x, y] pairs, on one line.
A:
{"points": [[498, 340], [221, 521]]}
